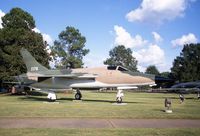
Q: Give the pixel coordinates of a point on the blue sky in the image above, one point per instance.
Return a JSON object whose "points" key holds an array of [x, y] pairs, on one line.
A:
{"points": [[155, 30]]}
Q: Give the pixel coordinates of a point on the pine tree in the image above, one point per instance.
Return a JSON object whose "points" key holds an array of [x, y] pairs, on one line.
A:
{"points": [[186, 67], [17, 33], [70, 48], [123, 57]]}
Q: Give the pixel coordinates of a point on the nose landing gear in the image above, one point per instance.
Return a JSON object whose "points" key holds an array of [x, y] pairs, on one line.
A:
{"points": [[52, 96], [119, 96]]}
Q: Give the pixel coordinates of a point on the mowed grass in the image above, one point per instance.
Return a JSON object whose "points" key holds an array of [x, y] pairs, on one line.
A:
{"points": [[101, 132], [99, 105]]}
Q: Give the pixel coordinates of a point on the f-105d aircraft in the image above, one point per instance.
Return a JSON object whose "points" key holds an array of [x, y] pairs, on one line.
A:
{"points": [[40, 78]]}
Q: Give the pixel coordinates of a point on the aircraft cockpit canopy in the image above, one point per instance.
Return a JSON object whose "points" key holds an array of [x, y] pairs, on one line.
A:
{"points": [[120, 68]]}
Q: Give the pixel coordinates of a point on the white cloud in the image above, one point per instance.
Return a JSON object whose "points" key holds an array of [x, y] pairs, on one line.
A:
{"points": [[124, 38], [49, 40], [48, 50], [1, 15], [158, 11], [46, 37], [141, 68], [91, 60], [36, 30], [157, 37], [152, 55], [185, 39]]}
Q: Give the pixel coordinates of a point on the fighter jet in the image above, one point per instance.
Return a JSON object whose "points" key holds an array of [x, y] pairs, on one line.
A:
{"points": [[51, 81], [187, 87]]}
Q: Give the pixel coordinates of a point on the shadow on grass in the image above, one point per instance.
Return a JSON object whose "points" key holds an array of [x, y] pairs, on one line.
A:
{"points": [[173, 97], [44, 99], [177, 98], [190, 98], [90, 100], [32, 93], [109, 101], [160, 110], [109, 92], [33, 98]]}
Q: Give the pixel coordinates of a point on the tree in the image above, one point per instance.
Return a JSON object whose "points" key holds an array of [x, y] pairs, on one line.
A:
{"points": [[15, 34], [152, 70], [186, 67], [122, 56], [166, 74], [17, 18], [70, 48]]}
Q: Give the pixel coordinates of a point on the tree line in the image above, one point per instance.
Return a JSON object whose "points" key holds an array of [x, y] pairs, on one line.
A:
{"points": [[69, 49]]}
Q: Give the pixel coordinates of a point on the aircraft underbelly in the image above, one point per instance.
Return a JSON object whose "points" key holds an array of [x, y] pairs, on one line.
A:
{"points": [[97, 84], [66, 83]]}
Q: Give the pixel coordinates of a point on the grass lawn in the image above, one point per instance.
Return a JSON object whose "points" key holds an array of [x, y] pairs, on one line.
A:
{"points": [[101, 132], [99, 105]]}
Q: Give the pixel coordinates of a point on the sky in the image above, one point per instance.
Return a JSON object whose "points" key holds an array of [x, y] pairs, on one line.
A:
{"points": [[155, 30]]}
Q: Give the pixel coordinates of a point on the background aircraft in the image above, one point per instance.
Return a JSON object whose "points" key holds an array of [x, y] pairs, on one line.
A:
{"points": [[39, 77], [187, 87]]}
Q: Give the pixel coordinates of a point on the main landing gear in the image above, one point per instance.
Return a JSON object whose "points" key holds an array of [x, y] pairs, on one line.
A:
{"points": [[119, 96], [78, 95], [51, 96]]}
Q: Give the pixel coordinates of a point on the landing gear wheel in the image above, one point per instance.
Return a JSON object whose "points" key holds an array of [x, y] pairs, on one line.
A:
{"points": [[51, 100], [78, 96], [119, 100]]}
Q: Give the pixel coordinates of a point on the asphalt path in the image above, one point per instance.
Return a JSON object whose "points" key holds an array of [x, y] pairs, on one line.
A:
{"points": [[97, 123]]}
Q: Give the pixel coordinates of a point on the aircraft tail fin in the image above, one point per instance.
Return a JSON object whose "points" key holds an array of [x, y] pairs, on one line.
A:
{"points": [[31, 64]]}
